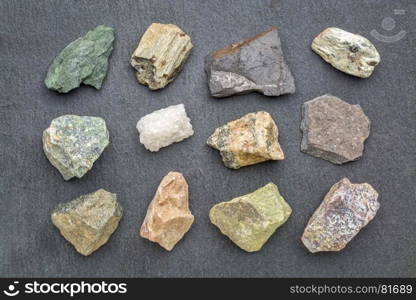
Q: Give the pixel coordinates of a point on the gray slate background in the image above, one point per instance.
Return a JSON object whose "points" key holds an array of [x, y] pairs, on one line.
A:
{"points": [[33, 32]]}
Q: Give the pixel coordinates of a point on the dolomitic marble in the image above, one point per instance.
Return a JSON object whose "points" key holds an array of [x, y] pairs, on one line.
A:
{"points": [[348, 52], [164, 127]]}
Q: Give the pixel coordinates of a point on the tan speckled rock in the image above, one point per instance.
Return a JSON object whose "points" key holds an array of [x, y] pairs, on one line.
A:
{"points": [[345, 210], [347, 52], [88, 221], [160, 55], [168, 217], [249, 140]]}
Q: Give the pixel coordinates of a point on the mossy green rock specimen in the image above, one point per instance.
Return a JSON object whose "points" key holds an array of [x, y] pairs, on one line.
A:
{"points": [[84, 60], [73, 143], [250, 220]]}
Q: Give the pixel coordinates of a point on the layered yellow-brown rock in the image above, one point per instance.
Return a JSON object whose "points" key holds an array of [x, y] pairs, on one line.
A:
{"points": [[249, 140], [168, 216], [160, 55], [88, 221]]}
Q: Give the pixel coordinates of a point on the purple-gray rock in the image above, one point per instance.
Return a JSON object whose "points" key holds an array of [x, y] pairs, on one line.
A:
{"points": [[254, 64], [333, 130], [345, 210]]}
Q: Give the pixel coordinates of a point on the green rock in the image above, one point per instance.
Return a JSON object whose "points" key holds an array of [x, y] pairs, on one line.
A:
{"points": [[84, 60], [250, 220], [73, 143]]}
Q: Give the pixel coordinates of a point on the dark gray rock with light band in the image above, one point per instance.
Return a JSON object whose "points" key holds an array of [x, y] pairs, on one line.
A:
{"points": [[255, 64]]}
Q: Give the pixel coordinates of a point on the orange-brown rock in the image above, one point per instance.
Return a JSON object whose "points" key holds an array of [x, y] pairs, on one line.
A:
{"points": [[247, 141], [168, 217]]}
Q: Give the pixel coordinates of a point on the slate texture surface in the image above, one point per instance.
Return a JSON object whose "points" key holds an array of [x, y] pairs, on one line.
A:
{"points": [[32, 33]]}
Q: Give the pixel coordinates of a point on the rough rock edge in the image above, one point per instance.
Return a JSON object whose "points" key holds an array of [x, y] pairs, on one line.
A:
{"points": [[319, 153]]}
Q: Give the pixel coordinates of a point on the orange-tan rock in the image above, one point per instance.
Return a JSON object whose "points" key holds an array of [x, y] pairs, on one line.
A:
{"points": [[168, 216], [249, 140]]}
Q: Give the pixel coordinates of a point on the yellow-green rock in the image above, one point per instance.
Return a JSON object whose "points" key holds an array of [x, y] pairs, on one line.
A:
{"points": [[250, 220]]}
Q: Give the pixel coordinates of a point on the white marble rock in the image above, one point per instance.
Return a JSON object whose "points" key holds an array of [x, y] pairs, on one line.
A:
{"points": [[347, 52], [164, 127]]}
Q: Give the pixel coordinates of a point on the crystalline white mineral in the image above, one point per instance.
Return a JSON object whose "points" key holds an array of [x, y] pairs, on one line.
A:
{"points": [[164, 127]]}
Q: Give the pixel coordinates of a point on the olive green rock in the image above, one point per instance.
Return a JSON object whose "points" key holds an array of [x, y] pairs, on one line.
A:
{"points": [[250, 220], [84, 60], [88, 221]]}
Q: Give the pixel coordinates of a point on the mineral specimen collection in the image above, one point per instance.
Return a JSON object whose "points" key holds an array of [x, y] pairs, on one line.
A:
{"points": [[332, 129]]}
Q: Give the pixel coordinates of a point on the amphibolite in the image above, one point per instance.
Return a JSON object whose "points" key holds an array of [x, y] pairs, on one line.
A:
{"points": [[168, 217], [160, 55], [333, 129], [73, 143], [249, 140], [345, 210], [88, 221], [85, 60], [254, 64], [250, 220], [347, 52]]}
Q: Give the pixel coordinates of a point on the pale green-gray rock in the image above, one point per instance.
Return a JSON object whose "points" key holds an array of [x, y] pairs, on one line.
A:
{"points": [[347, 52], [84, 60], [250, 220], [73, 143]]}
